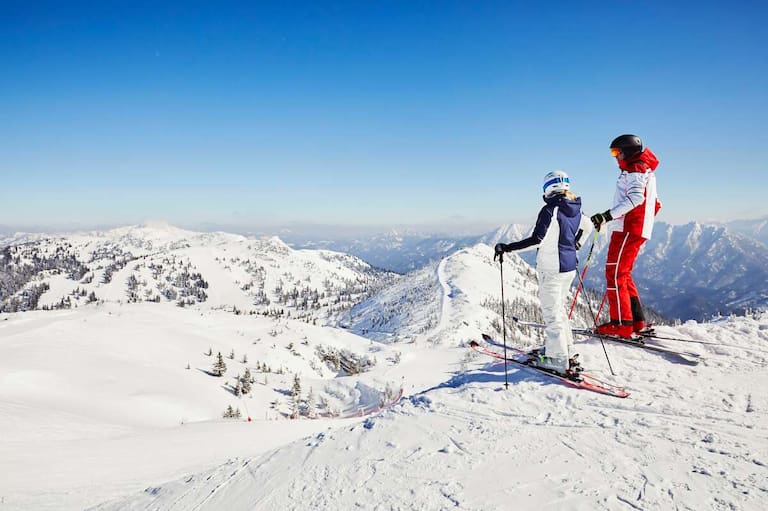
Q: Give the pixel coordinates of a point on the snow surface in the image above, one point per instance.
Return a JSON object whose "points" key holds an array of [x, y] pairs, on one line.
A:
{"points": [[99, 411], [96, 399], [687, 438]]}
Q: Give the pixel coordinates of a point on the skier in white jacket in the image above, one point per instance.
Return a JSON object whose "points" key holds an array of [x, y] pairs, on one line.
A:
{"points": [[559, 227]]}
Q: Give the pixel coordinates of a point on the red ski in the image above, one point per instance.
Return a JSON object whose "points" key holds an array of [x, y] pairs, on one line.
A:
{"points": [[580, 380]]}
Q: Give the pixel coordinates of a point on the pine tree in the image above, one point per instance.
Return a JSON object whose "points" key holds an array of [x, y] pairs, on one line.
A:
{"points": [[311, 410], [296, 390], [219, 367], [295, 397], [245, 381], [231, 413]]}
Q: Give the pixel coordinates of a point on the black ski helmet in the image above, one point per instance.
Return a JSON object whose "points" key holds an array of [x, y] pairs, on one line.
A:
{"points": [[629, 144]]}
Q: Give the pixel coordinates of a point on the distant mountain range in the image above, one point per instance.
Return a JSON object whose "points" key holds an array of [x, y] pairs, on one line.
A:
{"points": [[694, 271], [404, 251], [756, 229], [397, 251], [691, 271]]}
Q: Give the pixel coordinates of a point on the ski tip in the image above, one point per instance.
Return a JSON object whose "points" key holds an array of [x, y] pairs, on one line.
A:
{"points": [[473, 344], [486, 337]]}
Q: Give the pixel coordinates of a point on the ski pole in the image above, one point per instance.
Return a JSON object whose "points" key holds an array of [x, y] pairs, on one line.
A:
{"points": [[583, 272], [591, 311], [503, 319], [589, 302], [600, 310]]}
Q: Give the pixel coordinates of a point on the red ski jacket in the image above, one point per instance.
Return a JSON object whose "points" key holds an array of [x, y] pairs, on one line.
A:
{"points": [[635, 201]]}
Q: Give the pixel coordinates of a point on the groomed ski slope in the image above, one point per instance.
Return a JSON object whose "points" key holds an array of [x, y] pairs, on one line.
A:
{"points": [[689, 437]]}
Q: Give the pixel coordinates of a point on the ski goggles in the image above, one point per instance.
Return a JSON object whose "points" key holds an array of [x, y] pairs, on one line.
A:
{"points": [[554, 181], [615, 152]]}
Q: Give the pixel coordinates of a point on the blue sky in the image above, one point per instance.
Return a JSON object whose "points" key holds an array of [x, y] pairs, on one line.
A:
{"points": [[373, 113]]}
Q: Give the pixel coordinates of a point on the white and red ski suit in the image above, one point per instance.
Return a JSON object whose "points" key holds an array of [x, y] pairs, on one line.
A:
{"points": [[634, 207]]}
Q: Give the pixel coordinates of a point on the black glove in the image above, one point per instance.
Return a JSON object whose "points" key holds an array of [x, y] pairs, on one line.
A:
{"points": [[498, 251], [598, 219]]}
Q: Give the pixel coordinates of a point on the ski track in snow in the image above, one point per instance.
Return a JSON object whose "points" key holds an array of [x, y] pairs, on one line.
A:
{"points": [[445, 296]]}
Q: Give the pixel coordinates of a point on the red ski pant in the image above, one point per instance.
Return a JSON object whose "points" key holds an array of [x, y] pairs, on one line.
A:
{"points": [[622, 252]]}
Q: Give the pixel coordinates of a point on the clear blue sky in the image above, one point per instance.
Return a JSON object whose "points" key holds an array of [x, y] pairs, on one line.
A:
{"points": [[264, 113]]}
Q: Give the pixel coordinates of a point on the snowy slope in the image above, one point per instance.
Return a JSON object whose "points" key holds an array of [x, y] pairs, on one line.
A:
{"points": [[99, 409], [691, 438], [95, 399], [104, 381], [453, 299]]}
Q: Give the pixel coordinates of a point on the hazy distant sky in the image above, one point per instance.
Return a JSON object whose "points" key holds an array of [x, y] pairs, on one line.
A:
{"points": [[374, 112]]}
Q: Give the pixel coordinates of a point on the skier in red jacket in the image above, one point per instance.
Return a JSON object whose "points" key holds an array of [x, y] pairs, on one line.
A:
{"points": [[634, 207]]}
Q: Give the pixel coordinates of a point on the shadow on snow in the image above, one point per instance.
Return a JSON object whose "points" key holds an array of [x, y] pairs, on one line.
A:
{"points": [[493, 373]]}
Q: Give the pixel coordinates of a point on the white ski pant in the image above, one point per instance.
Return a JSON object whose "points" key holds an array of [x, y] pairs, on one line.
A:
{"points": [[553, 294]]}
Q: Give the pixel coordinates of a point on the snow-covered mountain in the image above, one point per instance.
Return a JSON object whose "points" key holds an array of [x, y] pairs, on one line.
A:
{"points": [[114, 378], [694, 271], [115, 404], [756, 229], [425, 304], [161, 263], [115, 339], [691, 271], [682, 275], [403, 251], [686, 272]]}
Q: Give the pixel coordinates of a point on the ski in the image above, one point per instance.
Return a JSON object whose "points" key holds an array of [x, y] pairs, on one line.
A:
{"points": [[637, 341], [651, 334], [582, 380], [528, 353]]}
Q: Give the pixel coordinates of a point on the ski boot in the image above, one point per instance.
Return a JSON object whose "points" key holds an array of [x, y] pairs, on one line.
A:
{"points": [[615, 329], [574, 367], [554, 364]]}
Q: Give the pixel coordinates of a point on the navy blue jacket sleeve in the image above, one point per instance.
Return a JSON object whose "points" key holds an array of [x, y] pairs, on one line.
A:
{"points": [[539, 230]]}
